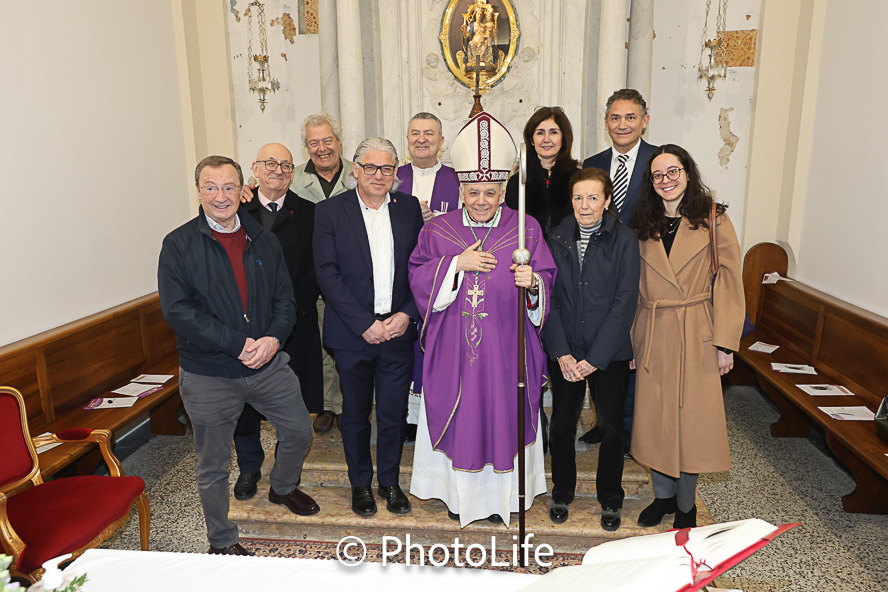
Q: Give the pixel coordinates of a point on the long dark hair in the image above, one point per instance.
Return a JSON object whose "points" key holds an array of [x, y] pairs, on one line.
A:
{"points": [[649, 220], [563, 160]]}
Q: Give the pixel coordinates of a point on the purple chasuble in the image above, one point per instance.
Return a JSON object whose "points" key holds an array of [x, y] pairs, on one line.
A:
{"points": [[470, 369], [445, 190]]}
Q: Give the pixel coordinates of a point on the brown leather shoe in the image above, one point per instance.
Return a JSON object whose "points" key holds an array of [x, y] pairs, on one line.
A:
{"points": [[323, 423], [234, 549], [296, 501]]}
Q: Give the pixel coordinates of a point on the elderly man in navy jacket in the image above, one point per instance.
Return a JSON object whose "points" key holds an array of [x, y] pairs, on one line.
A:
{"points": [[225, 292], [363, 239]]}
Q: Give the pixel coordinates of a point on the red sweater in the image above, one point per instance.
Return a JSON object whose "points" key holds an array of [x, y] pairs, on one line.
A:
{"points": [[235, 244]]}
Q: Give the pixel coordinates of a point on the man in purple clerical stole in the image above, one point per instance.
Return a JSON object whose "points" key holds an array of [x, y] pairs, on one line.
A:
{"points": [[436, 186], [466, 289]]}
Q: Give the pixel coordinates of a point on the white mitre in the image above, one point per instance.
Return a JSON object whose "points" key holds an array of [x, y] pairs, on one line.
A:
{"points": [[483, 151]]}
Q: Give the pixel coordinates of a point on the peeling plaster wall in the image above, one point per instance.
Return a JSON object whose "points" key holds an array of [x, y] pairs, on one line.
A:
{"points": [[93, 153], [715, 132], [298, 74]]}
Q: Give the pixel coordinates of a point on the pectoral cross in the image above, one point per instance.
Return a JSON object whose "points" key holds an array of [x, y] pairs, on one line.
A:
{"points": [[475, 292]]}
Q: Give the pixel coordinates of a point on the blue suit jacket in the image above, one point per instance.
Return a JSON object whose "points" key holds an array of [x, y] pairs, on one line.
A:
{"points": [[602, 161], [344, 267]]}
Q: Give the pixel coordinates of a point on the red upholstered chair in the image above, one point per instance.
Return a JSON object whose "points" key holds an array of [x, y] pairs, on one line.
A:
{"points": [[64, 515]]}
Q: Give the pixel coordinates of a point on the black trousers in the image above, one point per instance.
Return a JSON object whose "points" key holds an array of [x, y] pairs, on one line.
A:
{"points": [[384, 371], [608, 390]]}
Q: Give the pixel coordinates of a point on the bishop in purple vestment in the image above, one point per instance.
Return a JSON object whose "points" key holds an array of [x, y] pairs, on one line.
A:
{"points": [[466, 289]]}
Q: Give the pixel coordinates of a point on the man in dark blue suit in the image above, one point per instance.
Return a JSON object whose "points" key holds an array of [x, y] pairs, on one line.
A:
{"points": [[362, 241], [626, 118]]}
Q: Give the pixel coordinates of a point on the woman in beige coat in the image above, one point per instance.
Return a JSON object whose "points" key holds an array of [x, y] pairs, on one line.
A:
{"points": [[685, 332]]}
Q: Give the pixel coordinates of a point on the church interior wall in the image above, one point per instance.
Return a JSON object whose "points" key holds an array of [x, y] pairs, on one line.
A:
{"points": [[93, 153]]}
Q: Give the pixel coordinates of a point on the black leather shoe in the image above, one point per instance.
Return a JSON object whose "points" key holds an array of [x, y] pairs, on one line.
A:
{"points": [[593, 436], [410, 433], [685, 519], [559, 512], [653, 514], [234, 549], [610, 518], [495, 519], [363, 503], [395, 500], [296, 501], [245, 488], [627, 444], [452, 516], [323, 423]]}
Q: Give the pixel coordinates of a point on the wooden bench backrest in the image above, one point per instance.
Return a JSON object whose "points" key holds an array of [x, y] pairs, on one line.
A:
{"points": [[836, 337], [61, 369]]}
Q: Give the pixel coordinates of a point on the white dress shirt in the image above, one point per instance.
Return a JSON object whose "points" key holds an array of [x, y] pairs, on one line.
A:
{"points": [[424, 181], [382, 253], [630, 164]]}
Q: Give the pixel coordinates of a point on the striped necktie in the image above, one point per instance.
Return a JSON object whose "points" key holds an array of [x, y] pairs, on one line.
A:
{"points": [[621, 183]]}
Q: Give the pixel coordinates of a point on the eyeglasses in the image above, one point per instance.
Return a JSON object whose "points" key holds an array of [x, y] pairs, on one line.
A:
{"points": [[671, 174], [370, 169], [228, 190], [272, 165]]}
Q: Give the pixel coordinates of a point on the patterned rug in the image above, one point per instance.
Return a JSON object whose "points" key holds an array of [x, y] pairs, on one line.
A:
{"points": [[476, 557]]}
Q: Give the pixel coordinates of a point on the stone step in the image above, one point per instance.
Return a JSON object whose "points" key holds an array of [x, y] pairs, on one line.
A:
{"points": [[325, 464], [428, 523]]}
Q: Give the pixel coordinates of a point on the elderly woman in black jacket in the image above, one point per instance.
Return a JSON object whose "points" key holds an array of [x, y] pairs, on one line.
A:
{"points": [[593, 305]]}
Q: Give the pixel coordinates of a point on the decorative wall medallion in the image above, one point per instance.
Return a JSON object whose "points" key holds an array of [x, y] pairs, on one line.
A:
{"points": [[479, 38]]}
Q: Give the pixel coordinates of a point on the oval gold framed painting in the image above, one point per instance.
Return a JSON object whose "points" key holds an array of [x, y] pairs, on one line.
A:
{"points": [[479, 39]]}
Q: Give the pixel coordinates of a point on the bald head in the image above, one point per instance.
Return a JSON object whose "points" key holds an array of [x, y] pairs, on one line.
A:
{"points": [[269, 170]]}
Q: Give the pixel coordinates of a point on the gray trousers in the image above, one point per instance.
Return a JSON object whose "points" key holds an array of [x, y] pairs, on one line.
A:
{"points": [[214, 405], [683, 489]]}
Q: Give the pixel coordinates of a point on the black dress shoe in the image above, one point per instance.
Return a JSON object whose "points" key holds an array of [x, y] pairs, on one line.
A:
{"points": [[363, 503], [234, 549], [452, 516], [395, 500], [610, 518], [653, 514], [495, 518], [296, 501], [245, 488], [593, 436], [323, 423], [685, 519], [559, 512], [410, 433], [627, 444]]}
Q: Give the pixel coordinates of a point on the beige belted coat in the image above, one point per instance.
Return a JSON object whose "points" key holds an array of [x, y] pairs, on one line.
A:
{"points": [[679, 412]]}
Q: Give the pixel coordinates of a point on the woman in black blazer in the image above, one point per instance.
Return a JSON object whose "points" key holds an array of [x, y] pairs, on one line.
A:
{"points": [[587, 333]]}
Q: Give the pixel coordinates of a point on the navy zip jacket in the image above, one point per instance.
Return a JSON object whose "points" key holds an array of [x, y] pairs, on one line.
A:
{"points": [[201, 303], [593, 309]]}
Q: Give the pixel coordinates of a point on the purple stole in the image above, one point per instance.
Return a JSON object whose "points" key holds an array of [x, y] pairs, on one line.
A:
{"points": [[471, 348], [446, 189]]}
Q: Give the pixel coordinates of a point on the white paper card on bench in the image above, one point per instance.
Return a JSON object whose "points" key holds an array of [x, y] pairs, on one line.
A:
{"points": [[823, 390], [772, 278], [858, 413], [761, 346], [152, 378], [112, 403], [793, 368], [49, 446], [133, 389]]}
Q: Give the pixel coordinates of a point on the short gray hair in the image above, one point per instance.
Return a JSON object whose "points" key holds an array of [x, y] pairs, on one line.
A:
{"points": [[366, 146], [425, 115], [321, 118]]}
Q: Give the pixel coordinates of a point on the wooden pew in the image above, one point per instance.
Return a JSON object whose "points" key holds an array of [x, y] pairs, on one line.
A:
{"points": [[846, 345], [59, 371]]}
